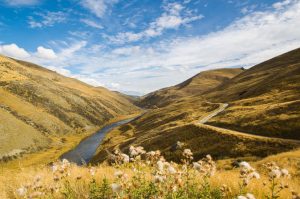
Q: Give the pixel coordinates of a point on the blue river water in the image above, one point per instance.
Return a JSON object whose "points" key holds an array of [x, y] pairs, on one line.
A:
{"points": [[85, 150]]}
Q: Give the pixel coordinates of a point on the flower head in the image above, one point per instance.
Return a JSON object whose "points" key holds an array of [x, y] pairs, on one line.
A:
{"points": [[21, 191], [116, 187]]}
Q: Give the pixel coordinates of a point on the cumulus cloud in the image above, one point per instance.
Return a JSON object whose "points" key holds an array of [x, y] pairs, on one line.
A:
{"points": [[241, 44], [45, 53], [98, 7], [172, 18], [247, 41], [21, 2], [12, 50]]}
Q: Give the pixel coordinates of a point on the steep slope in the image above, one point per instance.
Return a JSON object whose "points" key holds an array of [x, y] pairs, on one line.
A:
{"points": [[263, 100], [36, 104], [160, 128], [198, 84]]}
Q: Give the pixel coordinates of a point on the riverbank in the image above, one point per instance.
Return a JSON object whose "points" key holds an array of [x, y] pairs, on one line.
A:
{"points": [[56, 149], [85, 150]]}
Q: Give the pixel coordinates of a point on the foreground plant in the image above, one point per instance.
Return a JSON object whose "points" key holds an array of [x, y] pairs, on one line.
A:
{"points": [[275, 175], [143, 174]]}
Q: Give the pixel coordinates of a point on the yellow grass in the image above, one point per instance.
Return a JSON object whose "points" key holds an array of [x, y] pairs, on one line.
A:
{"points": [[10, 180]]}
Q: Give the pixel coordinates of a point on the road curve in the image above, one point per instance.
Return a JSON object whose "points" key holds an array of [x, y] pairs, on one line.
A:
{"points": [[221, 108]]}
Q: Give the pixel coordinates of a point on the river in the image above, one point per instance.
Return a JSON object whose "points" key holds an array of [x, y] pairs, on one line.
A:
{"points": [[85, 150]]}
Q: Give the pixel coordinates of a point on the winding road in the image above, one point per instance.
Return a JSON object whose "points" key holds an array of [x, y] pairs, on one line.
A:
{"points": [[221, 108]]}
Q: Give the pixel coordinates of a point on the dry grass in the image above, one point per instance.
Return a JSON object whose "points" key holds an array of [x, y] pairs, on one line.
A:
{"points": [[196, 85], [42, 104], [263, 100], [159, 128], [11, 180]]}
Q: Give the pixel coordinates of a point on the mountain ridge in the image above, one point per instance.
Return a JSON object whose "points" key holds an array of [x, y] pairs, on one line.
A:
{"points": [[43, 103], [262, 122], [197, 84]]}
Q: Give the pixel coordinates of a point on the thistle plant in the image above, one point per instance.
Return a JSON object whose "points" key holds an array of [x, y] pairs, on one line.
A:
{"points": [[142, 174], [276, 174]]}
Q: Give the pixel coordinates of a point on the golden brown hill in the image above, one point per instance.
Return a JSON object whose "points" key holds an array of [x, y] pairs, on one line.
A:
{"points": [[198, 84], [160, 128], [37, 104], [263, 100]]}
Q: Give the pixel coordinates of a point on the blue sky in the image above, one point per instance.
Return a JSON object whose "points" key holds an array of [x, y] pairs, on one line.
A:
{"points": [[139, 46]]}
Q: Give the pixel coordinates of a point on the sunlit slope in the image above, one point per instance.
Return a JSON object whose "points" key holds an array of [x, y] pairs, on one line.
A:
{"points": [[160, 128], [263, 100], [36, 103], [198, 84]]}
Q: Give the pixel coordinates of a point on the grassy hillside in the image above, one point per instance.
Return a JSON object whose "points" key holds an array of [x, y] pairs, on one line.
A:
{"points": [[37, 105], [159, 128], [198, 84], [263, 100]]}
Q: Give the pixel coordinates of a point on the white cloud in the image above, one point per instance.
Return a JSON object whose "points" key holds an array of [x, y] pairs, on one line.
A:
{"points": [[250, 40], [172, 18], [21, 2], [248, 9], [92, 23], [247, 41], [127, 50], [12, 50], [45, 53], [47, 19], [98, 7], [281, 4]]}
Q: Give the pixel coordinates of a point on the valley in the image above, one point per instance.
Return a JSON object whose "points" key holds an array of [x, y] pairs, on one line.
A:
{"points": [[48, 109], [231, 114], [244, 115]]}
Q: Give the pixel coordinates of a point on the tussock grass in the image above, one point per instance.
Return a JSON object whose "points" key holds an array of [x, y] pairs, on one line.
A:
{"points": [[39, 104], [151, 178]]}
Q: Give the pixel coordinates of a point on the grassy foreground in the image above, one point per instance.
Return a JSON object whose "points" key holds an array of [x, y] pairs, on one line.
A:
{"points": [[144, 174]]}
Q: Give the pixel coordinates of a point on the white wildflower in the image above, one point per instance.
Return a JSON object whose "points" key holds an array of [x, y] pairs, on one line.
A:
{"points": [[119, 174], [22, 191], [135, 151], [116, 187], [275, 173], [92, 171], [159, 178], [65, 161], [196, 166], [285, 172], [160, 165], [254, 175], [125, 158], [250, 196], [171, 170], [54, 168], [187, 152], [245, 165]]}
